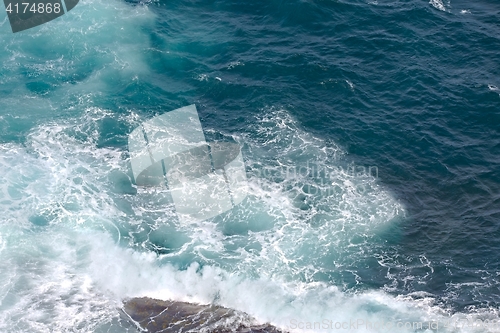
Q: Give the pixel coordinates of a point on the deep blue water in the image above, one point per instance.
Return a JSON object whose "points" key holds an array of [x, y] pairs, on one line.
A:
{"points": [[408, 88]]}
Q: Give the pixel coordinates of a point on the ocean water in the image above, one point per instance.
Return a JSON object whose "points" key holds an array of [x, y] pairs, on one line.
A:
{"points": [[370, 132]]}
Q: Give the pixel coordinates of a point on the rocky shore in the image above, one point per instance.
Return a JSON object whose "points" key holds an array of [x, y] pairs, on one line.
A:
{"points": [[155, 316]]}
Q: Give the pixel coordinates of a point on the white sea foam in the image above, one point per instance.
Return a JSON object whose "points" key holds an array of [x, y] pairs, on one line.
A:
{"points": [[95, 262], [202, 77], [285, 304], [75, 274], [234, 64], [438, 4], [494, 88]]}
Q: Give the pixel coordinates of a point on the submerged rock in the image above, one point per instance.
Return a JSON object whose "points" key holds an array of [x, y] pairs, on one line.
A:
{"points": [[155, 316]]}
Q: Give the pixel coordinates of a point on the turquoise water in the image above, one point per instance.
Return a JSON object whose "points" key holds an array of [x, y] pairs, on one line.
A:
{"points": [[370, 133]]}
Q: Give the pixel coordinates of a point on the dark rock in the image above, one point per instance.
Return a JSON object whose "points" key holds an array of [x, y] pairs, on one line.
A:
{"points": [[155, 316]]}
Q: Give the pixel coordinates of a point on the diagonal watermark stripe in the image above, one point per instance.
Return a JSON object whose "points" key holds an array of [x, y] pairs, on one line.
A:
{"points": [[204, 179]]}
